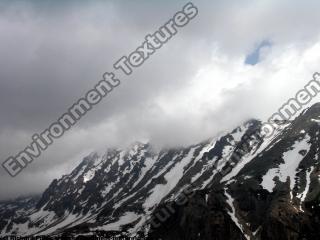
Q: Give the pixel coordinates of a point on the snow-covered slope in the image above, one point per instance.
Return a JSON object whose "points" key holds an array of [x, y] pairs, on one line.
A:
{"points": [[123, 187], [246, 187], [273, 192]]}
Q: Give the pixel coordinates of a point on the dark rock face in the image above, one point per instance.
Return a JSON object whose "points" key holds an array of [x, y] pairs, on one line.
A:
{"points": [[275, 195], [238, 185], [199, 219]]}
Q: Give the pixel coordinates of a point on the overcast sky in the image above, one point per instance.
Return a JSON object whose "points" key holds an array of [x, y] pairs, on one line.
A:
{"points": [[236, 60]]}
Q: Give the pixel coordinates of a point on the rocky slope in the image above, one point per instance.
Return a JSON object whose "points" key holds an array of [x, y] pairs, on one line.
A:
{"points": [[272, 194], [240, 185]]}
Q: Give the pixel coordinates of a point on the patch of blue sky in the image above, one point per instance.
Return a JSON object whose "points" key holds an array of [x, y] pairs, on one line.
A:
{"points": [[255, 56]]}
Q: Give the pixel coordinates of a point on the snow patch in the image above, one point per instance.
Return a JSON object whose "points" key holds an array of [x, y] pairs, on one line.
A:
{"points": [[315, 120], [123, 220], [172, 178], [292, 159], [233, 214], [303, 195]]}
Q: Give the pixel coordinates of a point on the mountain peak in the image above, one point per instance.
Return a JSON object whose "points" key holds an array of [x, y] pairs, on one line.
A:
{"points": [[122, 189]]}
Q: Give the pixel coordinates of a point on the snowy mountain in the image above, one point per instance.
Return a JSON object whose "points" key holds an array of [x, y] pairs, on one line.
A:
{"points": [[272, 193], [243, 186]]}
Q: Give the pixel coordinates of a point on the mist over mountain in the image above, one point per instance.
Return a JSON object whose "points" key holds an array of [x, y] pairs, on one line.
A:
{"points": [[271, 192], [234, 61]]}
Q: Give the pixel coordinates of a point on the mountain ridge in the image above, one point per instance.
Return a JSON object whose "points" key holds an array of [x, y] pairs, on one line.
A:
{"points": [[122, 190]]}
